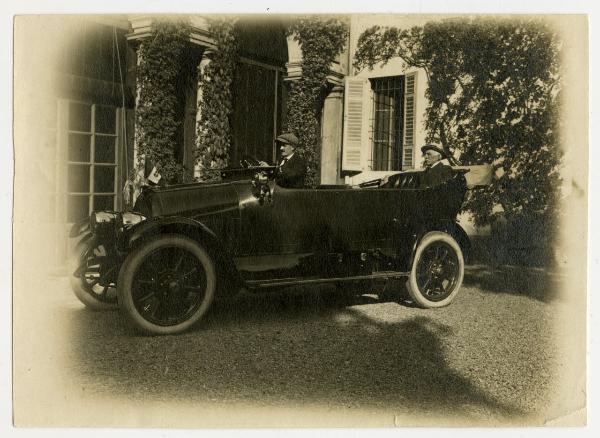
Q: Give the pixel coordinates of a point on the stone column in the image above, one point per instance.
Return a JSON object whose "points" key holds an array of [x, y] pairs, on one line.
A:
{"points": [[137, 133], [331, 133], [131, 190], [190, 104], [204, 62]]}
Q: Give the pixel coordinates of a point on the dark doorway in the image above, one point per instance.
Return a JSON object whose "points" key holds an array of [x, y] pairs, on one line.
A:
{"points": [[256, 112], [258, 89]]}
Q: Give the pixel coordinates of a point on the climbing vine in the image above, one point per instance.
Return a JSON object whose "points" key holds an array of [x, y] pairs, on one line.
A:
{"points": [[213, 140], [493, 97], [321, 40], [157, 125]]}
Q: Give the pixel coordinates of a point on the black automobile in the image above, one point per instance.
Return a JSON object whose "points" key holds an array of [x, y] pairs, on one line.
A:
{"points": [[164, 263]]}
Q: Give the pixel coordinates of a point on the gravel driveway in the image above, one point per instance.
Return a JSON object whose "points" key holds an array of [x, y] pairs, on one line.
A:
{"points": [[314, 357]]}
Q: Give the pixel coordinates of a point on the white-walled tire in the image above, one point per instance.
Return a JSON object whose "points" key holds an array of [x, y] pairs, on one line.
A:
{"points": [[166, 285], [437, 271], [89, 273]]}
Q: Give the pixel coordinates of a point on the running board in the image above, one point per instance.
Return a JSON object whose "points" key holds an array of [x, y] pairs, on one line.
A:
{"points": [[262, 284]]}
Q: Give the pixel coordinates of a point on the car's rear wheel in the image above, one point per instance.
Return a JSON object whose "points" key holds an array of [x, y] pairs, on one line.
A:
{"points": [[92, 275], [437, 271], [167, 284]]}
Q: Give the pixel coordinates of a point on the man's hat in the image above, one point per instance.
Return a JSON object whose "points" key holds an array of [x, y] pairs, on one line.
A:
{"points": [[432, 147], [288, 138]]}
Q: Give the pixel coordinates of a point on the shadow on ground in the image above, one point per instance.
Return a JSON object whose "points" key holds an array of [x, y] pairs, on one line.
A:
{"points": [[285, 350], [535, 283]]}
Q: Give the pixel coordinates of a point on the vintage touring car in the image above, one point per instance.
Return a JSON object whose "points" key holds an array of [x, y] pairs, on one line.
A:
{"points": [[164, 262]]}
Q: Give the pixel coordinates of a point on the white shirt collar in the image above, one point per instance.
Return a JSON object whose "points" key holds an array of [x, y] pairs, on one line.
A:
{"points": [[284, 159]]}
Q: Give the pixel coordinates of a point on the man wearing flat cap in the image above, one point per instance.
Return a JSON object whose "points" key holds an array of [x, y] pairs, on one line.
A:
{"points": [[435, 172], [291, 170]]}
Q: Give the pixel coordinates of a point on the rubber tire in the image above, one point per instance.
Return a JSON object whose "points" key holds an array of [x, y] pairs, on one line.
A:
{"points": [[133, 262], [78, 284], [411, 284]]}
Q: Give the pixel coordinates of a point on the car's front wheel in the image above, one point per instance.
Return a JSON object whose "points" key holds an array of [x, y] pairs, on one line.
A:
{"points": [[167, 284], [437, 271]]}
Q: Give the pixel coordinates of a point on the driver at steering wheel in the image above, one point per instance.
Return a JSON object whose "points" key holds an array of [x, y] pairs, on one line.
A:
{"points": [[290, 172]]}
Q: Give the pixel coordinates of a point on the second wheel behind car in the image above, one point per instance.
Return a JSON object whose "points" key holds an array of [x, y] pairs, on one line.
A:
{"points": [[92, 274], [437, 271]]}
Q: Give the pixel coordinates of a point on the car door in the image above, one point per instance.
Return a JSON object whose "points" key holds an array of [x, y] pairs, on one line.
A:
{"points": [[298, 230]]}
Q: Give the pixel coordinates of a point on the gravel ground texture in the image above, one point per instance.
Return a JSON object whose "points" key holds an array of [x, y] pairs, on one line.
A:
{"points": [[307, 357]]}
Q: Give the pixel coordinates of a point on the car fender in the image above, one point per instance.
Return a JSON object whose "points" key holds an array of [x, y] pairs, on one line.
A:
{"points": [[188, 227], [80, 239], [450, 227], [462, 238], [177, 224], [79, 234]]}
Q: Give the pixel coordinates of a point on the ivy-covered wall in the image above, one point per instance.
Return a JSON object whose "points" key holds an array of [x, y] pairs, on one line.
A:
{"points": [[157, 121], [213, 142], [161, 56], [321, 40]]}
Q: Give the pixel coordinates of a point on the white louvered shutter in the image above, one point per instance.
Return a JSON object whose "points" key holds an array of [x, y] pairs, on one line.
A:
{"points": [[410, 86], [355, 137]]}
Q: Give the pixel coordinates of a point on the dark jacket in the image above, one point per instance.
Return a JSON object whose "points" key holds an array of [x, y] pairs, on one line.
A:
{"points": [[291, 173], [435, 175]]}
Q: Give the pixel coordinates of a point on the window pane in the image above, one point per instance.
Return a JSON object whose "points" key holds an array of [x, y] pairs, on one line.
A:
{"points": [[105, 119], [80, 117], [104, 149], [104, 179], [79, 178], [77, 208], [79, 147], [106, 202]]}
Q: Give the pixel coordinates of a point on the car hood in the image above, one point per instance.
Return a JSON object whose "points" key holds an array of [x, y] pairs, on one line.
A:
{"points": [[191, 200]]}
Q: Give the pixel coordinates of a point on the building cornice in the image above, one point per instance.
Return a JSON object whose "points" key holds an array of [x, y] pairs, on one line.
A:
{"points": [[334, 77], [141, 28]]}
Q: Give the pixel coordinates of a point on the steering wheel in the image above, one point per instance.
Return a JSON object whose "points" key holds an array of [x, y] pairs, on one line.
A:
{"points": [[261, 188], [248, 161]]}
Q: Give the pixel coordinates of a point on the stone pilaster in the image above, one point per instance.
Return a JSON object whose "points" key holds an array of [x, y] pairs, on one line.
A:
{"points": [[204, 63], [333, 110]]}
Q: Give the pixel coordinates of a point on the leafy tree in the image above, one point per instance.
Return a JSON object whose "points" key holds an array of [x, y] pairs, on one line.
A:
{"points": [[493, 97]]}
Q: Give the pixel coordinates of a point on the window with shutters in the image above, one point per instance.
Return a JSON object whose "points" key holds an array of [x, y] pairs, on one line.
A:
{"points": [[393, 122], [379, 123]]}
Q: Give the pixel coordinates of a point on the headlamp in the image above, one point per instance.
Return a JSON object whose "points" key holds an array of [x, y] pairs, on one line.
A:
{"points": [[97, 218], [129, 218], [101, 219]]}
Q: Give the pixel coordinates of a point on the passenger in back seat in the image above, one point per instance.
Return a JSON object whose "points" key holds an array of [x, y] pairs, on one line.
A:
{"points": [[435, 172]]}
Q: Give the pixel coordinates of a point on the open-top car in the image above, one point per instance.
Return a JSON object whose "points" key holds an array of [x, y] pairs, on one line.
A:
{"points": [[164, 262]]}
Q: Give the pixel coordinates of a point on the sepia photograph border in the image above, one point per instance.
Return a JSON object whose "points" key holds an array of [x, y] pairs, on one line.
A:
{"points": [[578, 336]]}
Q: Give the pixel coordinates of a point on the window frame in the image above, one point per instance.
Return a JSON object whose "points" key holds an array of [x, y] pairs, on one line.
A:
{"points": [[390, 152], [65, 133]]}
